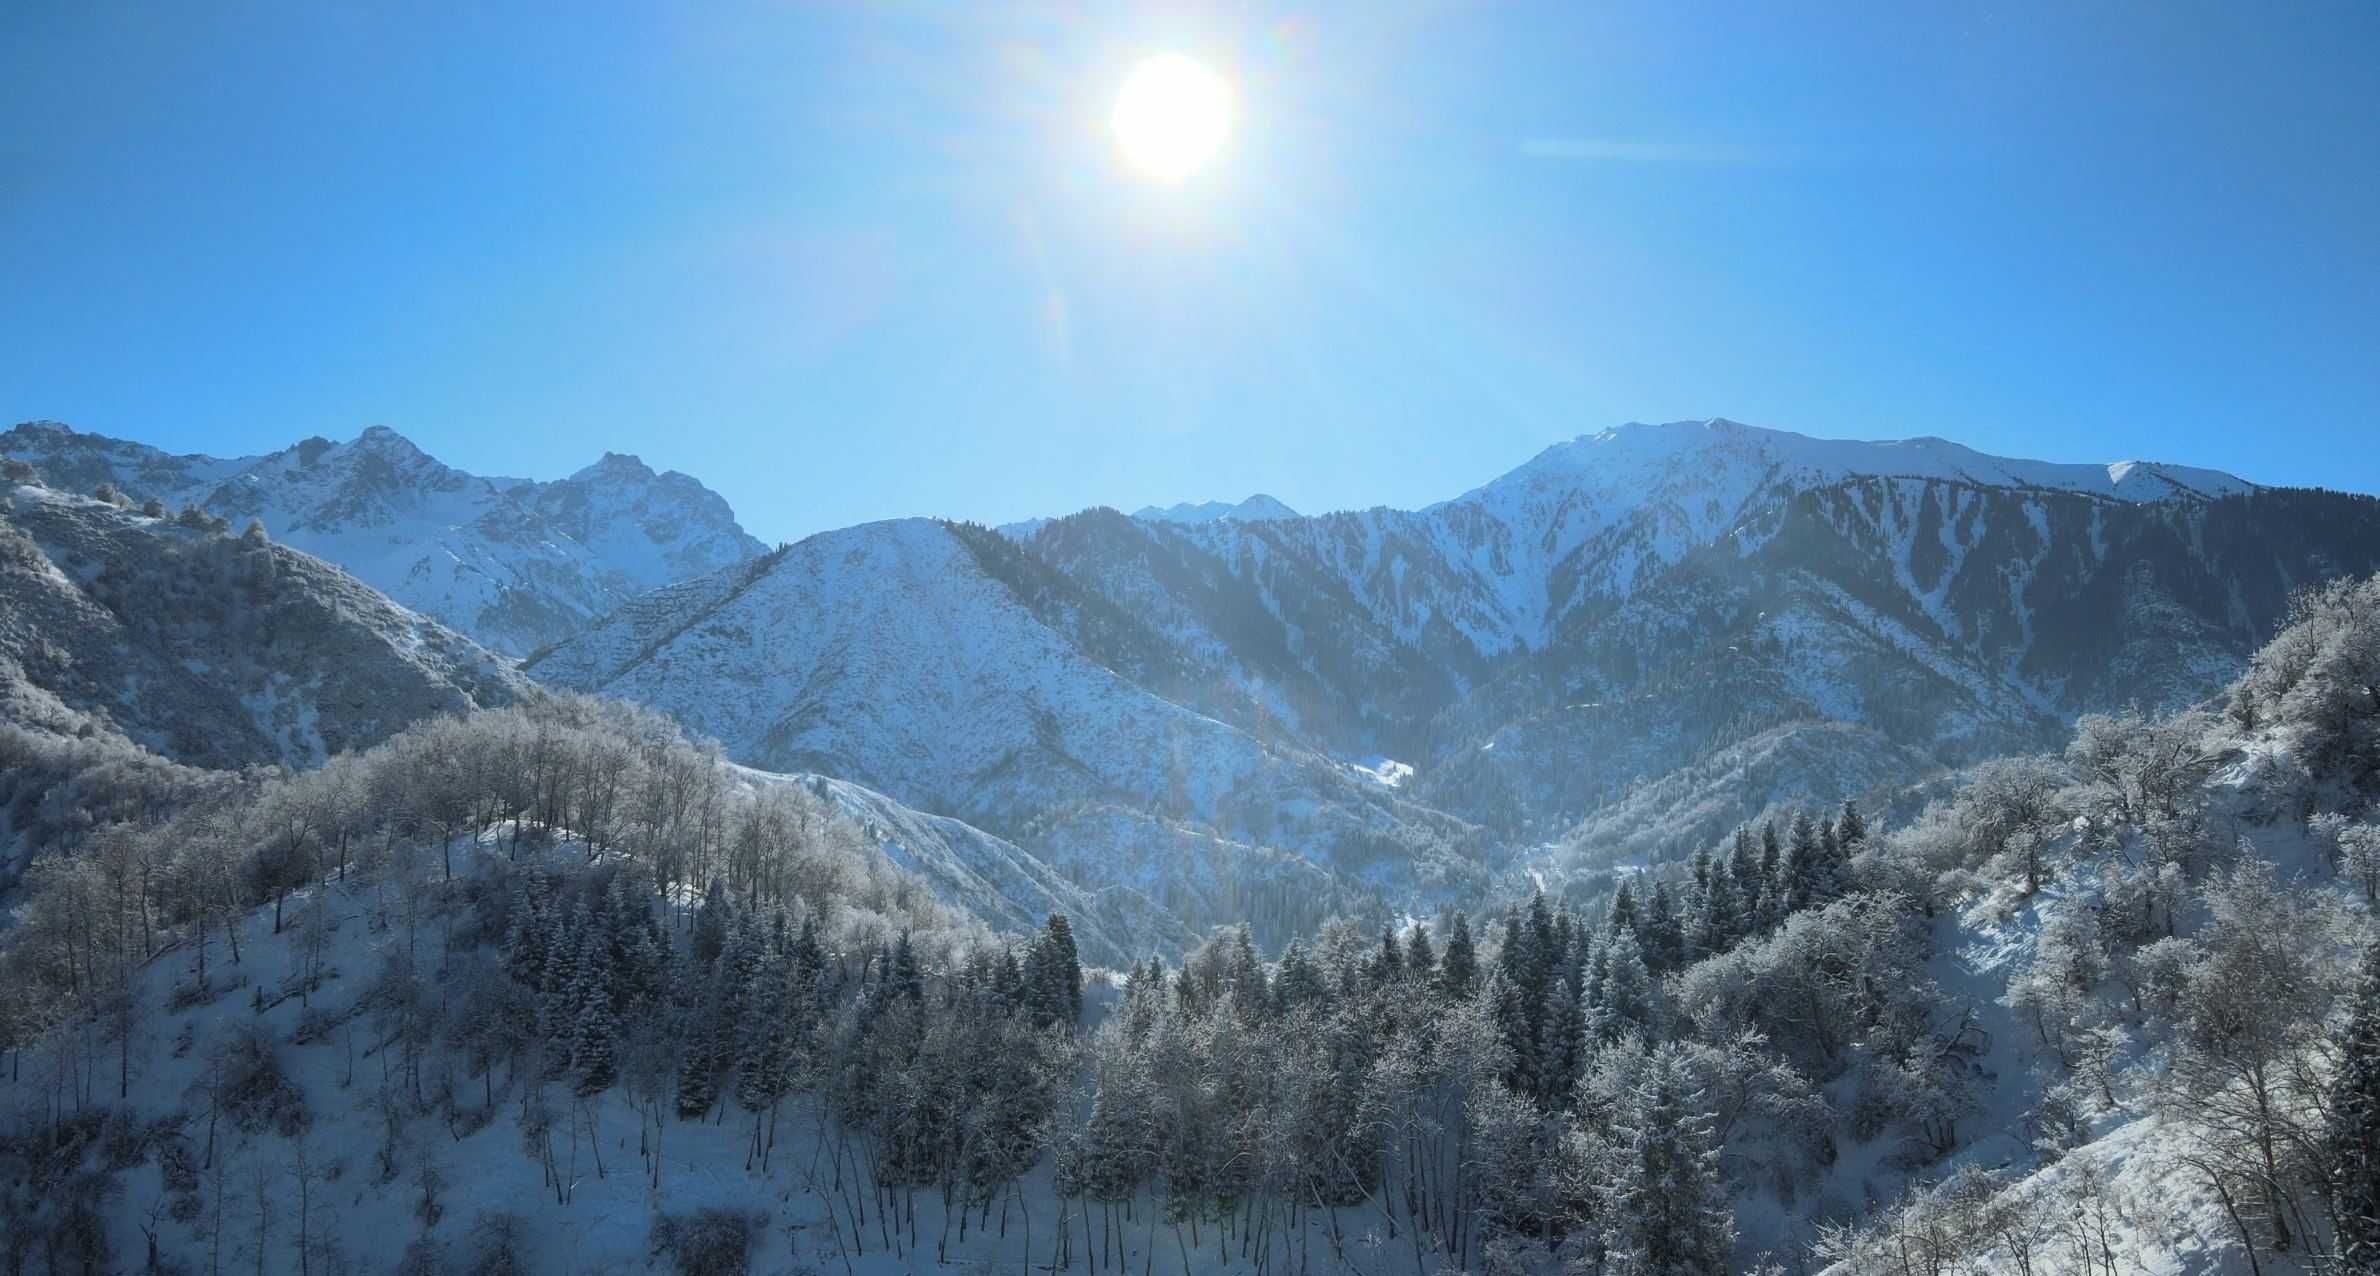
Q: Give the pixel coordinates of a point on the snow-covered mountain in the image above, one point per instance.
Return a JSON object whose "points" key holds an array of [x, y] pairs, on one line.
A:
{"points": [[1256, 508], [1642, 600], [1658, 629], [516, 564], [208, 648], [940, 665]]}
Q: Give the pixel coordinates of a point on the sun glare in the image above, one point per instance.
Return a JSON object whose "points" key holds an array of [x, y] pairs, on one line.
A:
{"points": [[1171, 116]]}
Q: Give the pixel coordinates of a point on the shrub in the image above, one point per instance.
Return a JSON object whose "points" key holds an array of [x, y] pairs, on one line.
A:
{"points": [[708, 1242], [495, 1245]]}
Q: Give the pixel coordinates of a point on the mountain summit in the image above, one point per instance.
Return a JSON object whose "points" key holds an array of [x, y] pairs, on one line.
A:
{"points": [[515, 563], [1256, 508]]}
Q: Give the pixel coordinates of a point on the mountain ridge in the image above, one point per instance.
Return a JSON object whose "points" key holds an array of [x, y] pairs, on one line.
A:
{"points": [[516, 563]]}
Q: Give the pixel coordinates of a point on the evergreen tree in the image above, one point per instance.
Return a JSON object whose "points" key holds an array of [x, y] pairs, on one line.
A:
{"points": [[1722, 920], [763, 1072], [524, 938], [592, 1055], [1664, 1201], [1563, 1051], [1626, 1001], [1803, 864], [1054, 974], [1460, 971], [1249, 995], [1517, 1024], [1623, 908], [1766, 904], [1391, 961], [710, 923], [2353, 1130], [905, 979], [1851, 828], [1299, 984], [1662, 934], [698, 1067], [1419, 954], [1743, 865]]}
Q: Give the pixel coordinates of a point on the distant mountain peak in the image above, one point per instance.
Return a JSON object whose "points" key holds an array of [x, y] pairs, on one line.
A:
{"points": [[1256, 509], [617, 466], [515, 563], [382, 439]]}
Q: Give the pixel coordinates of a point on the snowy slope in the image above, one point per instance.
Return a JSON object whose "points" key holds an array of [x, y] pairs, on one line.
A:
{"points": [[514, 563], [208, 649], [995, 881], [886, 655]]}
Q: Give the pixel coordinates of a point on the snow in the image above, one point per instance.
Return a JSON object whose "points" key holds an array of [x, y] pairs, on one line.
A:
{"points": [[1386, 772], [513, 563], [604, 1225]]}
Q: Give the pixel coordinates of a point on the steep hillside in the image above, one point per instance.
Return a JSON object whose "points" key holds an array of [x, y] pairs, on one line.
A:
{"points": [[209, 648], [890, 656], [1642, 600], [514, 563], [1959, 621], [991, 879]]}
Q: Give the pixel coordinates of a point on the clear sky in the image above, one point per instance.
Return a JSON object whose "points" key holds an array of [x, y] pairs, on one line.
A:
{"points": [[853, 262]]}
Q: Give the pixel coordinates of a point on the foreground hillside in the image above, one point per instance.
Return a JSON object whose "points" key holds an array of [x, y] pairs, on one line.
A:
{"points": [[2093, 1011]]}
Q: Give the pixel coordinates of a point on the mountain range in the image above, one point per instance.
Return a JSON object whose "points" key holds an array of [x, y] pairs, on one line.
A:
{"points": [[514, 563], [1619, 649]]}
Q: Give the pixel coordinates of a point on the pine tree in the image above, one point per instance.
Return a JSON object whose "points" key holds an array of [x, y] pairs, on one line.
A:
{"points": [[1625, 1003], [711, 923], [1851, 828], [1665, 1207], [1054, 975], [1299, 984], [1459, 973], [1721, 921], [1391, 962], [1517, 1023], [1249, 995], [1803, 864], [1419, 954], [1765, 901], [1663, 935], [1563, 1052], [906, 979], [524, 938], [592, 1056], [1743, 865], [1070, 965], [697, 1010], [764, 1068], [2353, 1130], [1623, 908]]}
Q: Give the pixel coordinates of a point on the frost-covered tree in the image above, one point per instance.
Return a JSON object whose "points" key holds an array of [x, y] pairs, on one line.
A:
{"points": [[1460, 971], [1662, 933], [1054, 973], [2252, 1007], [1648, 1156], [2352, 1133]]}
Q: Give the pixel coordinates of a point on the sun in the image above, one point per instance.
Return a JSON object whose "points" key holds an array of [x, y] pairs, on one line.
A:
{"points": [[1172, 116]]}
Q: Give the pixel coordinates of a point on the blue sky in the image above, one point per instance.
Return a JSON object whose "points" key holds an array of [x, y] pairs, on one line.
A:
{"points": [[856, 262]]}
